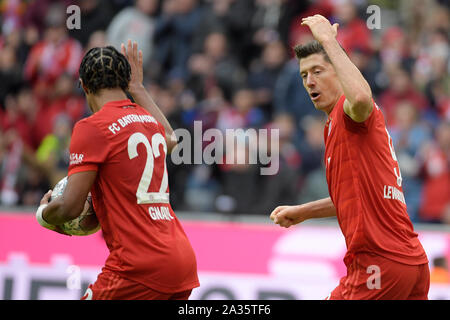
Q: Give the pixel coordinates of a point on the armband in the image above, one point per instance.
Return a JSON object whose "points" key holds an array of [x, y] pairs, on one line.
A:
{"points": [[41, 220]]}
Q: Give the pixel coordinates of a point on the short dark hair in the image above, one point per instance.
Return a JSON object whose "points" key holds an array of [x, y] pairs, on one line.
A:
{"points": [[104, 68], [313, 47]]}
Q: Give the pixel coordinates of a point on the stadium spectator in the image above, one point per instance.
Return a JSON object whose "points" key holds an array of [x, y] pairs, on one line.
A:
{"points": [[264, 72], [239, 184], [215, 66], [431, 74], [313, 180], [395, 51], [173, 34], [96, 39], [10, 72], [266, 20], [13, 120], [353, 32], [96, 15], [3, 150], [236, 16], [235, 19], [32, 184], [438, 93], [311, 147], [280, 187], [436, 169], [56, 54], [370, 68], [410, 134], [137, 23], [11, 166], [37, 9], [243, 113], [266, 24], [52, 155], [288, 97], [28, 108], [400, 89], [11, 16]]}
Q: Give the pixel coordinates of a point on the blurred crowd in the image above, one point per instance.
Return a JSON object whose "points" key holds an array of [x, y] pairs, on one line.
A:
{"points": [[229, 64]]}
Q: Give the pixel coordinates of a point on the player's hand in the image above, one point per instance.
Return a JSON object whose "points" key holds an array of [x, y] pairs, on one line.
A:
{"points": [[320, 27], [134, 57], [46, 198], [286, 216]]}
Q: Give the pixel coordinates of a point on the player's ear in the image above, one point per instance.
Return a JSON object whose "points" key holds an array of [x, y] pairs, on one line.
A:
{"points": [[81, 84]]}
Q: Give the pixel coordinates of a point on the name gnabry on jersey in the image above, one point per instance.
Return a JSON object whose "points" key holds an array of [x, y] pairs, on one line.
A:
{"points": [[160, 213], [128, 119]]}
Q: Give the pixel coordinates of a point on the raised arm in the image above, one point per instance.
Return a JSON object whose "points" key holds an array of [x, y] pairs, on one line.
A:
{"points": [[287, 216], [358, 104], [141, 95]]}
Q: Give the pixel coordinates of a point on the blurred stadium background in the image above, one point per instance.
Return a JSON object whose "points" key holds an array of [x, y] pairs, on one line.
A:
{"points": [[229, 64]]}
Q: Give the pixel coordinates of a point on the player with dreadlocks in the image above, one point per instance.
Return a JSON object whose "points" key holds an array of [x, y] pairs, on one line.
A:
{"points": [[119, 155]]}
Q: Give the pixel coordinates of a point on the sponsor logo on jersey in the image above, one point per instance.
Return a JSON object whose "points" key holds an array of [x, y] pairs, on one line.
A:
{"points": [[76, 158]]}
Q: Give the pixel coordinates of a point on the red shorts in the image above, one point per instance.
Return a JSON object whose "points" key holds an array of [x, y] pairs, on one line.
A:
{"points": [[372, 277], [110, 286]]}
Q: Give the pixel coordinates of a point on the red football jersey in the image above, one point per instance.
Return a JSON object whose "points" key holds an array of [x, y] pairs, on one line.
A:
{"points": [[127, 148], [365, 185]]}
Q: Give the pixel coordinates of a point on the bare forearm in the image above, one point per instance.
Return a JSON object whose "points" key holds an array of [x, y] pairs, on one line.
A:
{"points": [[356, 88], [322, 208], [56, 212], [143, 98], [287, 216]]}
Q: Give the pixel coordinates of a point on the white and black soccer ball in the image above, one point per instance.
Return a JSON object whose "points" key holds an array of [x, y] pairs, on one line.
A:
{"points": [[84, 225]]}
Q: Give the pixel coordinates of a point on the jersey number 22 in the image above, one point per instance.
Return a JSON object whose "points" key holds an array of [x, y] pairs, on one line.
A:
{"points": [[142, 194]]}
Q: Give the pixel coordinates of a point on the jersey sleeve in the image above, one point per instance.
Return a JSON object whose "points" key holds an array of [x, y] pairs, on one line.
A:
{"points": [[88, 148], [362, 127]]}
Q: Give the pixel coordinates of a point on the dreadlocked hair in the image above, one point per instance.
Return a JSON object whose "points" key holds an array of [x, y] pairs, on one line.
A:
{"points": [[104, 68]]}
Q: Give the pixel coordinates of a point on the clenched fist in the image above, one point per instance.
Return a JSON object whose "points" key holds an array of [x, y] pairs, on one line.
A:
{"points": [[287, 216]]}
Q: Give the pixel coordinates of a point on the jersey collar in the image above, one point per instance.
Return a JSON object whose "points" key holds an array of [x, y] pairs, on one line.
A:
{"points": [[334, 110], [119, 103]]}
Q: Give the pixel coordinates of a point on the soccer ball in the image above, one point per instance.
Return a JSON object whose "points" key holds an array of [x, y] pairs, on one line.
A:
{"points": [[87, 223]]}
